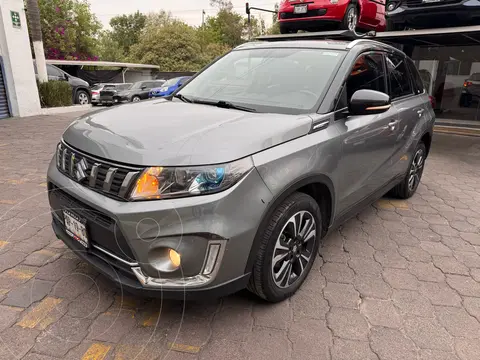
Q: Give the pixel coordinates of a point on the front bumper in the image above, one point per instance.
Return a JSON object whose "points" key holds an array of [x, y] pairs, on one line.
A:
{"points": [[124, 235], [447, 12]]}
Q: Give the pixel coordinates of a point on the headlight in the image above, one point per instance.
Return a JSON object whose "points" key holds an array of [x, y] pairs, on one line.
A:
{"points": [[163, 89], [170, 182]]}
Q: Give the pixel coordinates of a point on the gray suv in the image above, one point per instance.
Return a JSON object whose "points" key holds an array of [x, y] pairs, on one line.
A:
{"points": [[234, 180]]}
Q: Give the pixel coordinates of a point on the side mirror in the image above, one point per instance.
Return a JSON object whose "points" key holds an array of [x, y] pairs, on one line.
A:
{"points": [[367, 102], [143, 87], [180, 85]]}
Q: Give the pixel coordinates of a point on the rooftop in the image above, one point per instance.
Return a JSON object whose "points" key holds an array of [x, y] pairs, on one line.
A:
{"points": [[102, 64]]}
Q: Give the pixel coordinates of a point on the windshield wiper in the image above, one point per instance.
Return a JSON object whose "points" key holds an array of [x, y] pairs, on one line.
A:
{"points": [[183, 98], [225, 105]]}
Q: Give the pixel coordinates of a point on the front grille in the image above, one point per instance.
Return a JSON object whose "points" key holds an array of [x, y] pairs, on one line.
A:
{"points": [[110, 179], [418, 3], [309, 13]]}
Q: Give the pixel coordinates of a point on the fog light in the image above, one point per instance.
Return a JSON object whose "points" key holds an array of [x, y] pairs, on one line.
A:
{"points": [[174, 257]]}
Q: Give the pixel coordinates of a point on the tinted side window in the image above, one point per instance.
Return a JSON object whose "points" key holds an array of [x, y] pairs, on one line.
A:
{"points": [[398, 76], [417, 80], [53, 71], [368, 72]]}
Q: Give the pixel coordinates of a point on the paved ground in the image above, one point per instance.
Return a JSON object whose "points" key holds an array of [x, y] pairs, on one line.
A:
{"points": [[401, 281]]}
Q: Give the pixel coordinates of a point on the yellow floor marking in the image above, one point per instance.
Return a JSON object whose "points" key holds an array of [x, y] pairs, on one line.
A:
{"points": [[39, 313], [384, 204], [96, 352], [3, 243], [151, 320], [43, 184], [130, 352], [183, 348], [399, 204], [46, 322], [4, 291], [8, 202], [22, 274]]}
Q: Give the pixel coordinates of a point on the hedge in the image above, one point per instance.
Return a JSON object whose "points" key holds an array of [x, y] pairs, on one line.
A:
{"points": [[55, 93]]}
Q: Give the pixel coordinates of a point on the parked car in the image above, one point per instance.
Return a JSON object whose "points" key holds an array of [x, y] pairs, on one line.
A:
{"points": [[138, 91], [80, 88], [95, 91], [169, 87], [315, 15], [235, 180], [424, 14], [107, 94], [470, 90]]}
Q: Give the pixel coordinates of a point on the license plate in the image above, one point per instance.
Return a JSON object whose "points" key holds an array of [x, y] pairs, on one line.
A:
{"points": [[75, 227], [300, 9]]}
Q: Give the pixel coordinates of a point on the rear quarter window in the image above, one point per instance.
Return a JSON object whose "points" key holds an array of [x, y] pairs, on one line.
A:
{"points": [[418, 85]]}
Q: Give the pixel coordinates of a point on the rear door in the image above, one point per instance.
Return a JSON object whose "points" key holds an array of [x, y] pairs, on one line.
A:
{"points": [[405, 93], [367, 140]]}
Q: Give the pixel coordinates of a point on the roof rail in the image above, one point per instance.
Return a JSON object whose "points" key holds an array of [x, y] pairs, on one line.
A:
{"points": [[322, 35]]}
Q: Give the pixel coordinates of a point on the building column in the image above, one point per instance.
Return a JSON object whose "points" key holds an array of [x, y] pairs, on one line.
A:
{"points": [[17, 59]]}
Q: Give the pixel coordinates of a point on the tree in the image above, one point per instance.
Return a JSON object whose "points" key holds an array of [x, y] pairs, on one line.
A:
{"points": [[33, 13], [172, 46], [108, 48], [69, 29], [126, 29], [275, 28], [229, 25]]}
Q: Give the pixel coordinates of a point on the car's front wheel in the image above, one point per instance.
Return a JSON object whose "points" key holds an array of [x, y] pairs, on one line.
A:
{"points": [[136, 98], [289, 246], [82, 97], [410, 183]]}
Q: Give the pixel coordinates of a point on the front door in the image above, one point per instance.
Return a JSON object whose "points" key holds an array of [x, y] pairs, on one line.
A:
{"points": [[367, 140]]}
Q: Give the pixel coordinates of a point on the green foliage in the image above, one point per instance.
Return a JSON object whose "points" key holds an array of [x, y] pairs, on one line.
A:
{"points": [[108, 48], [55, 93], [230, 27], [126, 29], [69, 29]]}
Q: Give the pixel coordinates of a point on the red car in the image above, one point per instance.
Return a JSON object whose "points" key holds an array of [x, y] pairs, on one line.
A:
{"points": [[316, 15]]}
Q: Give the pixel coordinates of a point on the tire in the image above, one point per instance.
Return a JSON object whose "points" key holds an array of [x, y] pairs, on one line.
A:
{"points": [[82, 97], [136, 98], [404, 190], [276, 239], [350, 19]]}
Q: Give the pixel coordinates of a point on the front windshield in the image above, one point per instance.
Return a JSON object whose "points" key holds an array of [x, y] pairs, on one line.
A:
{"points": [[171, 82], [282, 80]]}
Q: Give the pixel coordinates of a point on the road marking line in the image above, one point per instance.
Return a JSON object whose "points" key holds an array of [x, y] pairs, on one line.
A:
{"points": [[96, 352], [184, 348], [40, 312], [3, 243]]}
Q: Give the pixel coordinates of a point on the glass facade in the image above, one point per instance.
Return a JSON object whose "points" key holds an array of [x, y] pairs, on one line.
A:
{"points": [[451, 74]]}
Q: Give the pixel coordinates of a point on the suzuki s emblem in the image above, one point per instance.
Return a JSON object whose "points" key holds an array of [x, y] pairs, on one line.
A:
{"points": [[81, 167]]}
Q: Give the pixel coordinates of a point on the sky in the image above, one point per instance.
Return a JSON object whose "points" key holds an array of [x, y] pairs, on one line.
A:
{"points": [[189, 11]]}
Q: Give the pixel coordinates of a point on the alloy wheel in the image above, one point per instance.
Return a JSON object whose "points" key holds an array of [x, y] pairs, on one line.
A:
{"points": [[352, 18], [416, 170], [136, 99], [294, 249], [83, 98]]}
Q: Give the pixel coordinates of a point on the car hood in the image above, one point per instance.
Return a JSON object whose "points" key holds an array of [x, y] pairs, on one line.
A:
{"points": [[170, 133]]}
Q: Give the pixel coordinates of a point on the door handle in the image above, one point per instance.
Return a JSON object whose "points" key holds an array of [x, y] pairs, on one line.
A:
{"points": [[420, 112], [392, 125]]}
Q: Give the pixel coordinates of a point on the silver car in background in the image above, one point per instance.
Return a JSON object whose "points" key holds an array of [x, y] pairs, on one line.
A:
{"points": [[234, 180]]}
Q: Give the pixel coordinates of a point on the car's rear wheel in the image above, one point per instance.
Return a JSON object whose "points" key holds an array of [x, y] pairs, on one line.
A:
{"points": [[289, 246], [410, 183], [82, 97], [136, 98], [350, 20]]}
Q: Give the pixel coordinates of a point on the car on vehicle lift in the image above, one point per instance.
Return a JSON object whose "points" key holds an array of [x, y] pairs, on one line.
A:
{"points": [[81, 93], [316, 15], [235, 179], [423, 14]]}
